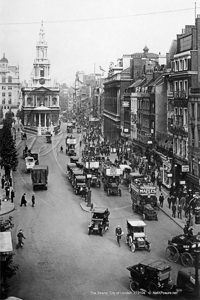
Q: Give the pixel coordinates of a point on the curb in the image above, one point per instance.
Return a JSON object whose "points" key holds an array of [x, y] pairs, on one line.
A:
{"points": [[171, 218], [7, 212], [84, 206]]}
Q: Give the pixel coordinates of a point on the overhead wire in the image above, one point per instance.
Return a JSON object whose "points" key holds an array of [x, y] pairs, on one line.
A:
{"points": [[101, 18]]}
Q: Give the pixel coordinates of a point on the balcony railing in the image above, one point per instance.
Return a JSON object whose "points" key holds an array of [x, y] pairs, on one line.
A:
{"points": [[180, 94], [178, 129]]}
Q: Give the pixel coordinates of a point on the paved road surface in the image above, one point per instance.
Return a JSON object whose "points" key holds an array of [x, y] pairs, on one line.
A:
{"points": [[60, 261]]}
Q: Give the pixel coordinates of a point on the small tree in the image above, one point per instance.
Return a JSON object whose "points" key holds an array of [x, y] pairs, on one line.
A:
{"points": [[8, 147]]}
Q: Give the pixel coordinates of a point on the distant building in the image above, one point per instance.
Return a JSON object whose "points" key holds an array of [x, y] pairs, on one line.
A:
{"points": [[10, 95], [41, 98]]}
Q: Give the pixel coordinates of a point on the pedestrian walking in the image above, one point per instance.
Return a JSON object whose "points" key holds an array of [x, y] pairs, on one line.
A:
{"points": [[118, 232], [161, 199], [33, 200], [169, 199], [173, 210], [7, 192], [2, 182], [179, 210], [10, 181], [23, 200], [159, 183], [12, 195], [20, 237]]}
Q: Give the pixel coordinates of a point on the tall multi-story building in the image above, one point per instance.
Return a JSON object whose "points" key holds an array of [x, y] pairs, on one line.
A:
{"points": [[182, 80], [10, 95], [41, 98], [118, 80]]}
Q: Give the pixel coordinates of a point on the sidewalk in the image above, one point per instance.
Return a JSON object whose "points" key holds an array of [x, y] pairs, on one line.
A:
{"points": [[6, 206]]}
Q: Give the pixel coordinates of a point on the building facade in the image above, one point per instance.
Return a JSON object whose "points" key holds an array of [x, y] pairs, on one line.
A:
{"points": [[40, 98], [115, 85], [10, 95]]}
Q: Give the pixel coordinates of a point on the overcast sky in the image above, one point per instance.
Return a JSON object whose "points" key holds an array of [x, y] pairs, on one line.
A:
{"points": [[86, 34]]}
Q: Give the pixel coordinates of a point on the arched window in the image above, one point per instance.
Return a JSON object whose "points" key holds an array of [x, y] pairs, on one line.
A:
{"points": [[29, 101], [54, 100], [3, 79], [9, 79]]}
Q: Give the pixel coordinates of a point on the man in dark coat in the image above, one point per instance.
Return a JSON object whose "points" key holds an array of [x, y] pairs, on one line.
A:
{"points": [[2, 182], [161, 200], [12, 195], [23, 200], [169, 199], [33, 200]]}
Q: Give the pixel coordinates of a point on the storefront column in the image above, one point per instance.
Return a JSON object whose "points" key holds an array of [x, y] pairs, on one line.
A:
{"points": [[45, 122], [39, 127]]}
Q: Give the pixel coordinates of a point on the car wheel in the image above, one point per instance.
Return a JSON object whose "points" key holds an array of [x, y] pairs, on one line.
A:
{"points": [[99, 184], [120, 192], [76, 192], [134, 286], [152, 287], [89, 231], [108, 192], [149, 247], [143, 217], [132, 247], [102, 231]]}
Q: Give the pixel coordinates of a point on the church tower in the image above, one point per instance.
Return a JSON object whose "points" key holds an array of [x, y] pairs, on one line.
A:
{"points": [[41, 65]]}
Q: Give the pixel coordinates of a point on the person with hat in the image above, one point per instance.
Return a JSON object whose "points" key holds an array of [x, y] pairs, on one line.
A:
{"points": [[33, 200], [20, 236], [118, 232], [23, 200]]}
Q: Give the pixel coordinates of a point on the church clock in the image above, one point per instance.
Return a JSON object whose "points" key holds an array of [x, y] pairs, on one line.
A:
{"points": [[42, 81]]}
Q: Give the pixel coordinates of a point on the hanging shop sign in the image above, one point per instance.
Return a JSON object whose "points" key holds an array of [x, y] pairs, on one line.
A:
{"points": [[185, 168]]}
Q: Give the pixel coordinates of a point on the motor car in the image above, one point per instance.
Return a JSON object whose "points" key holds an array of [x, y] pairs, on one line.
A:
{"points": [[79, 184], [23, 136], [111, 179], [76, 172], [99, 221], [151, 276], [30, 163], [149, 213], [74, 159], [136, 236], [36, 158]]}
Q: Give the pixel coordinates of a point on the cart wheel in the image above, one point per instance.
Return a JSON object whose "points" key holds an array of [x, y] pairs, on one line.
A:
{"points": [[187, 260], [152, 287], [134, 286], [132, 247], [172, 254]]}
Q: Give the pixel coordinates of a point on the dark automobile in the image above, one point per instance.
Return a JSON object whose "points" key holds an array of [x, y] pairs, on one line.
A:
{"points": [[150, 276], [99, 221], [80, 184], [36, 158], [74, 159]]}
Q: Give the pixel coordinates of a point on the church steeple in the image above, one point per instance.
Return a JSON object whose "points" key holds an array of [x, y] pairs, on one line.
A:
{"points": [[41, 63]]}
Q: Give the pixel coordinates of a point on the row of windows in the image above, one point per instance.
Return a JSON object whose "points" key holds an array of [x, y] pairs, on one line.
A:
{"points": [[4, 87], [4, 94], [3, 79], [182, 64], [181, 85], [4, 101], [192, 164]]}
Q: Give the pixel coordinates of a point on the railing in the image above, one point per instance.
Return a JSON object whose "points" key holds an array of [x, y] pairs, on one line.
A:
{"points": [[178, 130], [180, 94]]}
